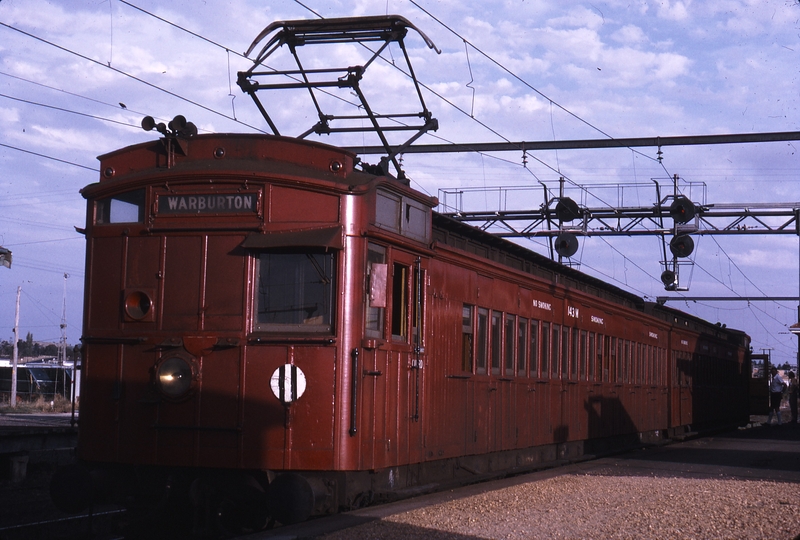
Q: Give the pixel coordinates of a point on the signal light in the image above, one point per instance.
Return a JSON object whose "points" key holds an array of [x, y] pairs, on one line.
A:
{"points": [[566, 244], [567, 209], [682, 209], [681, 245], [668, 279]]}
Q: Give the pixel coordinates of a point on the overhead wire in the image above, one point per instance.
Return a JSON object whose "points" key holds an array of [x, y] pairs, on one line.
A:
{"points": [[133, 77], [49, 157]]}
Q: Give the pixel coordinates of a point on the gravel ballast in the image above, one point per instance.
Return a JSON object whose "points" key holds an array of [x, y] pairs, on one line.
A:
{"points": [[591, 506]]}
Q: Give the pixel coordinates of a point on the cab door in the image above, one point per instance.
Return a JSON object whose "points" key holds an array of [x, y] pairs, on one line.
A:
{"points": [[406, 348], [392, 368]]}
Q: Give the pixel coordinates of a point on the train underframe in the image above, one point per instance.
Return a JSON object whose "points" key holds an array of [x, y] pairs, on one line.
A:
{"points": [[225, 502]]}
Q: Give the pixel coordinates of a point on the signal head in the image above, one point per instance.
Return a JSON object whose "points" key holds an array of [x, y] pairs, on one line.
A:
{"points": [[682, 209], [681, 245]]}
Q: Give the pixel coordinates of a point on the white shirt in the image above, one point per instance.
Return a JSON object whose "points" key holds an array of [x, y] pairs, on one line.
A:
{"points": [[776, 383]]}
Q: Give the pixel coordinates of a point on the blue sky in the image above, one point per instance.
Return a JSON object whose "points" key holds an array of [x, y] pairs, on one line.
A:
{"points": [[514, 70]]}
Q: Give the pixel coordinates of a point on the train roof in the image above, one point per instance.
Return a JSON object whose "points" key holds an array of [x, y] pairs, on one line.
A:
{"points": [[681, 318], [231, 152], [457, 234]]}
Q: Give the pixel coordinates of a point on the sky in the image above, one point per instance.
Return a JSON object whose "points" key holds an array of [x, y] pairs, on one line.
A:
{"points": [[77, 77]]}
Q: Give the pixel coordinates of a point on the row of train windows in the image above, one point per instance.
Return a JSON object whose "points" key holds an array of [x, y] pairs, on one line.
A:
{"points": [[508, 345]]}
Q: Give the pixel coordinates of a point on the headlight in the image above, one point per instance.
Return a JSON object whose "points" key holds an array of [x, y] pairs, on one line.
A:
{"points": [[174, 377]]}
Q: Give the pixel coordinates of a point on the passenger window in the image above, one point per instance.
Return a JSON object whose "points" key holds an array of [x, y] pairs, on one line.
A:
{"points": [[497, 347], [545, 368], [400, 302], [612, 361], [509, 332], [598, 373], [564, 351], [554, 347], [522, 345], [534, 363], [417, 308], [583, 357], [483, 339], [376, 290], [466, 338], [573, 367], [627, 360]]}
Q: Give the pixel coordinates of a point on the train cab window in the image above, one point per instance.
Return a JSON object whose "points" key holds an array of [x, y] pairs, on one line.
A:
{"points": [[376, 293], [466, 338], [522, 345], [497, 348], [295, 291], [403, 216], [123, 208], [483, 340], [400, 277], [534, 361], [509, 334]]}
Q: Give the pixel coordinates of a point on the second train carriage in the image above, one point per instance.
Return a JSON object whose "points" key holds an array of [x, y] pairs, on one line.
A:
{"points": [[269, 328]]}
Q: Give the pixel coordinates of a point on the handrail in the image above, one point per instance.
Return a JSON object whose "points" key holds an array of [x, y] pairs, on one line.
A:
{"points": [[354, 394]]}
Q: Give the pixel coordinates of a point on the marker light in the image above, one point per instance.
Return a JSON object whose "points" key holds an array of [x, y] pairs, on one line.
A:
{"points": [[138, 305]]}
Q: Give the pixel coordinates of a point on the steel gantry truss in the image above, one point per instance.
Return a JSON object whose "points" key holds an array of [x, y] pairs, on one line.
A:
{"points": [[561, 220], [710, 219]]}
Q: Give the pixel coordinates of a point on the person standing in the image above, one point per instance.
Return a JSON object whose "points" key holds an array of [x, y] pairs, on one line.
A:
{"points": [[793, 396], [776, 388]]}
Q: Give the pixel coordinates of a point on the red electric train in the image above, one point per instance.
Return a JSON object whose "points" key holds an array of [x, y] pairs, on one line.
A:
{"points": [[271, 333]]}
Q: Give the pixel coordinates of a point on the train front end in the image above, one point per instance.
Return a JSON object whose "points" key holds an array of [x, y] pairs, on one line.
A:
{"points": [[215, 319]]}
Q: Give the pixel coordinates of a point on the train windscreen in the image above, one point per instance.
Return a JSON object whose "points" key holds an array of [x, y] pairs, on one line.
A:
{"points": [[295, 292]]}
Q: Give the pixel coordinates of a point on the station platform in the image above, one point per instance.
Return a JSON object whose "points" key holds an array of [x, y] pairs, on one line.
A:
{"points": [[742, 483]]}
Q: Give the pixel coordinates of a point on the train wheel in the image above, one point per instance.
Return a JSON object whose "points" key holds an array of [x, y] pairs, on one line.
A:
{"points": [[290, 498], [72, 489], [230, 505]]}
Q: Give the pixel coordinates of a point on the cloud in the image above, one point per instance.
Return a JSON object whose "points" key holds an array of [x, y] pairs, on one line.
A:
{"points": [[674, 11], [9, 115]]}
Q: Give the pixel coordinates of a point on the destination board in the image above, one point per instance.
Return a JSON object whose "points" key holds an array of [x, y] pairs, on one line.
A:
{"points": [[217, 203]]}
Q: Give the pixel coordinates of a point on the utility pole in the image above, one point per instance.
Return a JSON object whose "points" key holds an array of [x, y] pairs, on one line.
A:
{"points": [[16, 353], [63, 344]]}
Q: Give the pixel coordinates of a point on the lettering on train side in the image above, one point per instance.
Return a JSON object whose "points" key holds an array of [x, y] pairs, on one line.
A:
{"points": [[598, 320], [542, 305], [652, 335], [573, 312], [227, 203]]}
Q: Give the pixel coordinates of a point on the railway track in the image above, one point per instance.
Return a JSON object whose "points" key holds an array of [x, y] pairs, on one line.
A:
{"points": [[98, 526]]}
